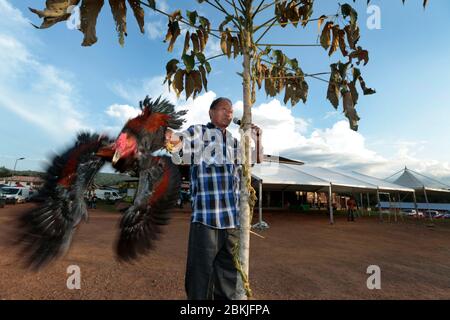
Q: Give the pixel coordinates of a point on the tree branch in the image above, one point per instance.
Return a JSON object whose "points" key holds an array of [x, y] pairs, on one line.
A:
{"points": [[184, 21], [233, 4], [257, 8], [265, 7], [289, 22], [265, 31], [286, 45]]}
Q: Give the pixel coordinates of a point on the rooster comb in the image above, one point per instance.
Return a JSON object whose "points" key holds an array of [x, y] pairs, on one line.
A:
{"points": [[159, 105]]}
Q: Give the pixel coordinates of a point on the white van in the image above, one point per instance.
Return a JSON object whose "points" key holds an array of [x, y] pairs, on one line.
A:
{"points": [[107, 194], [16, 194]]}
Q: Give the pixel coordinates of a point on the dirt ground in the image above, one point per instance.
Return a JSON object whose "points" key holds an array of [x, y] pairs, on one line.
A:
{"points": [[300, 257]]}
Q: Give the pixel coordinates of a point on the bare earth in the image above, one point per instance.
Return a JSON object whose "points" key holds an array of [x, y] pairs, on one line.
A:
{"points": [[301, 257]]}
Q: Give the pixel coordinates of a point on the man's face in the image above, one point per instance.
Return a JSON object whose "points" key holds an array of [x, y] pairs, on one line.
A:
{"points": [[222, 114]]}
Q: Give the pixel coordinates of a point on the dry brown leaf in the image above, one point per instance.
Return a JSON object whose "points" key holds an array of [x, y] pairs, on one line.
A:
{"points": [[201, 40], [320, 21], [186, 42], [325, 37], [138, 13], [223, 42], [189, 84], [349, 111], [88, 14], [177, 83], [204, 79], [195, 43], [119, 11], [342, 45], [197, 78], [54, 12]]}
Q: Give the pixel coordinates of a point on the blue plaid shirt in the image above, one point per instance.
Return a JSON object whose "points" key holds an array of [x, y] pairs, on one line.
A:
{"points": [[215, 175]]}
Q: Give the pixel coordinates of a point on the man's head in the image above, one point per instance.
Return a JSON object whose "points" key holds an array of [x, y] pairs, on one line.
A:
{"points": [[221, 112]]}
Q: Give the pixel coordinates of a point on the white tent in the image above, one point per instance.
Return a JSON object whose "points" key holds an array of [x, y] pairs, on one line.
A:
{"points": [[289, 177], [420, 183]]}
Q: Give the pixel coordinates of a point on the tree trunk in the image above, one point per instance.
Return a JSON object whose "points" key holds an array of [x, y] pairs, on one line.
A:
{"points": [[245, 214]]}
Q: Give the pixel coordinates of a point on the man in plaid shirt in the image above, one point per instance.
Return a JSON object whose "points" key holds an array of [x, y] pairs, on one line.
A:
{"points": [[215, 184]]}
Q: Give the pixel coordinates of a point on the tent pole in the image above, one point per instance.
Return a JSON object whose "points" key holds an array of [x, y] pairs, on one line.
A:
{"points": [[362, 204], [330, 204], [415, 202], [261, 225], [399, 204], [379, 204], [390, 207], [428, 204]]}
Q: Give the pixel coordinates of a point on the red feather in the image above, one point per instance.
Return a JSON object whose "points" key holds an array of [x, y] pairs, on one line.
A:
{"points": [[161, 187], [69, 173]]}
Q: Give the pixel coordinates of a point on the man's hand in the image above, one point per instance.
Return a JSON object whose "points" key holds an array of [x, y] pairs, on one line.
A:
{"points": [[256, 130], [172, 142]]}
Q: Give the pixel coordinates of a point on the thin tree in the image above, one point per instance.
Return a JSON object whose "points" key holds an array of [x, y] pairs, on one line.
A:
{"points": [[241, 34]]}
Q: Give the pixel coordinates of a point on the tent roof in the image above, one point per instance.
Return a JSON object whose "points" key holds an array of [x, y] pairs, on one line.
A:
{"points": [[381, 184], [276, 175], [415, 180], [306, 177]]}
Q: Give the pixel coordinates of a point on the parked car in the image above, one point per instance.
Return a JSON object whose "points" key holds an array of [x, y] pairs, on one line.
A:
{"points": [[107, 194], [409, 212], [16, 194]]}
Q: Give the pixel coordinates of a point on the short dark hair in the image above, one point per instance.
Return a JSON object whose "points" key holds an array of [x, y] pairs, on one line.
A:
{"points": [[217, 101]]}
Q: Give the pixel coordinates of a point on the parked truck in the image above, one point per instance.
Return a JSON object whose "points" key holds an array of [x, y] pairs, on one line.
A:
{"points": [[16, 194]]}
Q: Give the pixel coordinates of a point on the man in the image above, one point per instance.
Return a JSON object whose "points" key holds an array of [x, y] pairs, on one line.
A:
{"points": [[351, 206], [215, 184]]}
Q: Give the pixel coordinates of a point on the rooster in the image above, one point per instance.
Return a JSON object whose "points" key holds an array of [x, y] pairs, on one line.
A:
{"points": [[46, 231]]}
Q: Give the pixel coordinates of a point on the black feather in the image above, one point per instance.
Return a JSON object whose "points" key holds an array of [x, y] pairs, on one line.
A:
{"points": [[46, 232]]}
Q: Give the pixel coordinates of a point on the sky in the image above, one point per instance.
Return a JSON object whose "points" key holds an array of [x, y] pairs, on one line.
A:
{"points": [[51, 87]]}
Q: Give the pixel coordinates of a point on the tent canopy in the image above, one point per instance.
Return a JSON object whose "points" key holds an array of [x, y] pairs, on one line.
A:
{"points": [[291, 177], [418, 181]]}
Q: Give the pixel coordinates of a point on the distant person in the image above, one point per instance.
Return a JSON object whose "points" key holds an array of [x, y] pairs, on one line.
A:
{"points": [[94, 201], [351, 206], [89, 200]]}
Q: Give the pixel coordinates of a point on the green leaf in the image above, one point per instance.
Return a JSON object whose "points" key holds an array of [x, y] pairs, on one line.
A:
{"points": [[152, 4], [207, 66], [192, 15], [347, 10], [189, 62], [200, 57]]}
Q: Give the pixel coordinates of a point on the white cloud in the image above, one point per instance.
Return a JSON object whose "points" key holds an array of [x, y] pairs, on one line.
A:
{"points": [[134, 91], [155, 29], [212, 47], [122, 111], [37, 92]]}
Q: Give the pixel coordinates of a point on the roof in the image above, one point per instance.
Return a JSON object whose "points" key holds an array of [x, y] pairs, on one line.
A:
{"points": [[280, 175], [288, 176], [33, 179], [418, 181]]}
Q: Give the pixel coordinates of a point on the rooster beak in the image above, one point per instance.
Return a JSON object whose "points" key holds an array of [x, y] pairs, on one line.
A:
{"points": [[116, 157]]}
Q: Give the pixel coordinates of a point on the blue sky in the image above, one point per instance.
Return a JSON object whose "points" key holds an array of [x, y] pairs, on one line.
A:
{"points": [[51, 87]]}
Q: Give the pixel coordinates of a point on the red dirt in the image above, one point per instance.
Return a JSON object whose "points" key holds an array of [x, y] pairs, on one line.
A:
{"points": [[301, 257]]}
